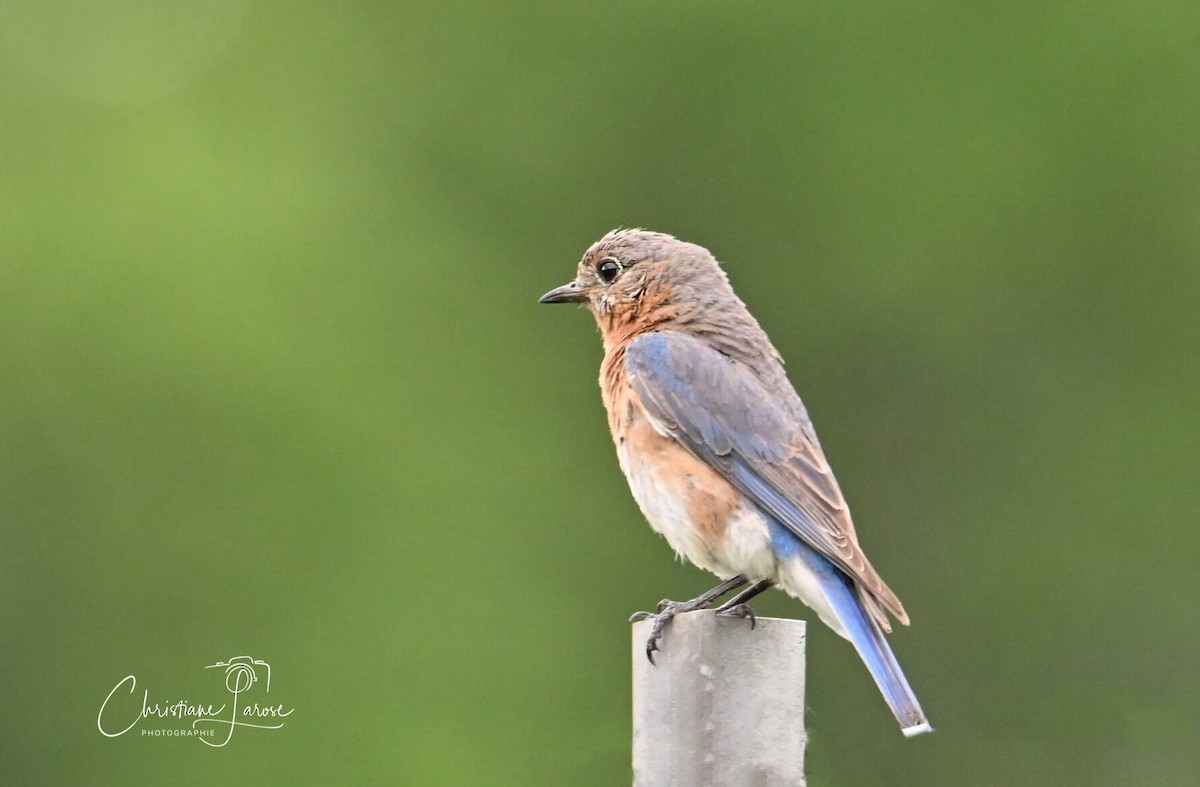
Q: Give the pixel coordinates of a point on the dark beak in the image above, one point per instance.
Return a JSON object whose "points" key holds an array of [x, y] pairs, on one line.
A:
{"points": [[568, 293]]}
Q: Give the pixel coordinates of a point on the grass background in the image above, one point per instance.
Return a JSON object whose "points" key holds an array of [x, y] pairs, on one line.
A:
{"points": [[274, 380]]}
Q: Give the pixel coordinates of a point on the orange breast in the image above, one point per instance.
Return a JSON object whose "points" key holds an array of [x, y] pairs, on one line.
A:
{"points": [[674, 489]]}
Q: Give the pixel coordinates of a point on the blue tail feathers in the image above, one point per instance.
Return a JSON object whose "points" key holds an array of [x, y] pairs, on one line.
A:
{"points": [[873, 647], [868, 639]]}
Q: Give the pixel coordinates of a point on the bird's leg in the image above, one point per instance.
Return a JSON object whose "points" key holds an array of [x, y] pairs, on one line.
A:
{"points": [[736, 606], [668, 609], [699, 602]]}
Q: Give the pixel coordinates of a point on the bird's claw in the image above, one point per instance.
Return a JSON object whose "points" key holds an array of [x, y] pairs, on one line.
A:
{"points": [[662, 605], [667, 610], [740, 611]]}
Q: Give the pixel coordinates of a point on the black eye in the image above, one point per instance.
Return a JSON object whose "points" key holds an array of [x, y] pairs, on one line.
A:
{"points": [[607, 270]]}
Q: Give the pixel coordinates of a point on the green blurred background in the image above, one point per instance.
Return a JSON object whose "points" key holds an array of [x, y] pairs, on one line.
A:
{"points": [[275, 382]]}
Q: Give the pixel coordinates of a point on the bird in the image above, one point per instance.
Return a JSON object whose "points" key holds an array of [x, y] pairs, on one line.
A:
{"points": [[720, 453]]}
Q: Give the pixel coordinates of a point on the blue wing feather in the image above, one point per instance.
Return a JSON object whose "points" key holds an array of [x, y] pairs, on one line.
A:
{"points": [[720, 411], [760, 441]]}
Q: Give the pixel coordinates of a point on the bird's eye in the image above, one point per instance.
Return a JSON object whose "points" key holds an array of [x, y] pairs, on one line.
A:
{"points": [[607, 270]]}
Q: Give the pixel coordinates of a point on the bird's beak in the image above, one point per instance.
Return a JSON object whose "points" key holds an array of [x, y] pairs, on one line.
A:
{"points": [[568, 293]]}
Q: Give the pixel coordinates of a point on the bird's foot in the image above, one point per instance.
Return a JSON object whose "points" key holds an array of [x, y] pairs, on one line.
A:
{"points": [[636, 616], [666, 612], [742, 611], [736, 606], [668, 609]]}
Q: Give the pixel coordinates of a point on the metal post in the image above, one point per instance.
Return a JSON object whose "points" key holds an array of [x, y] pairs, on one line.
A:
{"points": [[724, 706]]}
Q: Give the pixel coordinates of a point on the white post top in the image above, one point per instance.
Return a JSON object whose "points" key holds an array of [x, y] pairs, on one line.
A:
{"points": [[724, 707]]}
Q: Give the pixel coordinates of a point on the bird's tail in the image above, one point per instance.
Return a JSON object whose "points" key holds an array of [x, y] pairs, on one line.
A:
{"points": [[872, 645]]}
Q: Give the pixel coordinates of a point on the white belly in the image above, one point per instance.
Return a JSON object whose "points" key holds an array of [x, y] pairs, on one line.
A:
{"points": [[743, 548]]}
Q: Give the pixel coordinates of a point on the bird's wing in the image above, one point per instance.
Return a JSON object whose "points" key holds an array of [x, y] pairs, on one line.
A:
{"points": [[721, 412]]}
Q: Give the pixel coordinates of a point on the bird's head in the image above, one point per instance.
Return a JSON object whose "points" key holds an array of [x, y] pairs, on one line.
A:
{"points": [[632, 277]]}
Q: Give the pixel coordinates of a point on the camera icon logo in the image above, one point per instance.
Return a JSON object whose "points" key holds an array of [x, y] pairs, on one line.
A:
{"points": [[240, 673]]}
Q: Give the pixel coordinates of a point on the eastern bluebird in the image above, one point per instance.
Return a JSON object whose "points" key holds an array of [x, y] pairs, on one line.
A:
{"points": [[719, 451]]}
